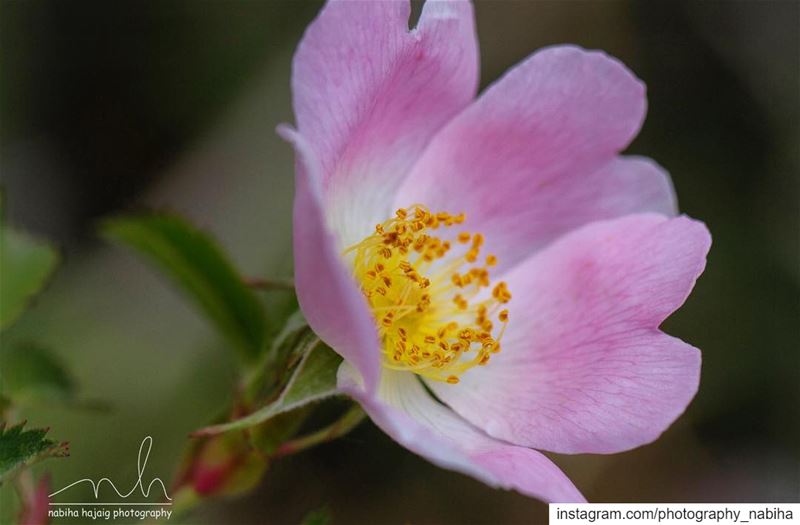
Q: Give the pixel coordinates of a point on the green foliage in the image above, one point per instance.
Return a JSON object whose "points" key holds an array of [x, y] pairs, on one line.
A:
{"points": [[313, 379], [19, 448], [194, 262], [26, 263], [31, 372]]}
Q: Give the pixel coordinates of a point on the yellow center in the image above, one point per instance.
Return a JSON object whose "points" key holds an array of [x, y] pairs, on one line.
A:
{"points": [[425, 294]]}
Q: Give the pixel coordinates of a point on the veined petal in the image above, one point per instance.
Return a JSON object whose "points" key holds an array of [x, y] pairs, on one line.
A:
{"points": [[406, 412], [584, 367], [329, 297], [369, 93], [535, 155]]}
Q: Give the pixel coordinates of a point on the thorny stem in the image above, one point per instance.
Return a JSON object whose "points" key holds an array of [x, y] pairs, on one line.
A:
{"points": [[339, 428]]}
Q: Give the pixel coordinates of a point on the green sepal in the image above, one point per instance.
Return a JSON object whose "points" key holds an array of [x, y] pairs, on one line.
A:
{"points": [[313, 379]]}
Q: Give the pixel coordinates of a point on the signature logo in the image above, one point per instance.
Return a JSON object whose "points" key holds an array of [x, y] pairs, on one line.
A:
{"points": [[141, 463]]}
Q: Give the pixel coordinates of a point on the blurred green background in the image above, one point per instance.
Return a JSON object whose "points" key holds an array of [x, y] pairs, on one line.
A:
{"points": [[106, 107]]}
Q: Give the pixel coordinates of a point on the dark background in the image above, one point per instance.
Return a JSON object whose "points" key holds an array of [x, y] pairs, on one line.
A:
{"points": [[112, 106]]}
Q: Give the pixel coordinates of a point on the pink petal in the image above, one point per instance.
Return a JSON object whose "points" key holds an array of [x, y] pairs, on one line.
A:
{"points": [[405, 411], [329, 298], [583, 366], [369, 94], [535, 156]]}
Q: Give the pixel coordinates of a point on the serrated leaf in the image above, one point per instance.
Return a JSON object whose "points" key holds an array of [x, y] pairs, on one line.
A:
{"points": [[19, 448], [197, 265], [26, 263], [30, 372], [313, 379]]}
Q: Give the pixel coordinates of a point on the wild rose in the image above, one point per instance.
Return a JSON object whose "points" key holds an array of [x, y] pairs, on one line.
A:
{"points": [[497, 250]]}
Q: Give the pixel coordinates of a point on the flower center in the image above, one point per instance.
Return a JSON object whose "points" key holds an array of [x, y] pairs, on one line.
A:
{"points": [[425, 294]]}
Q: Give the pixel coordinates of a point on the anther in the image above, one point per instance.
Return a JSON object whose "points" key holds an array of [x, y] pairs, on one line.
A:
{"points": [[426, 300]]}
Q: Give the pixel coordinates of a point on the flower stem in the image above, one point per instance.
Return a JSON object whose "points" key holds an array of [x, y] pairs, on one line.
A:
{"points": [[339, 428]]}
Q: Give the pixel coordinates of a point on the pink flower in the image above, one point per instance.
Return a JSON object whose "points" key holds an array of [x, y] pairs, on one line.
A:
{"points": [[497, 250]]}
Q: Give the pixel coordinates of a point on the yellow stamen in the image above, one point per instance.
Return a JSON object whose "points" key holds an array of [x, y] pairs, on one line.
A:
{"points": [[425, 294]]}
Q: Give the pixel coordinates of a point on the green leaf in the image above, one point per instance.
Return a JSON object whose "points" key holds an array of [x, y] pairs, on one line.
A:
{"points": [[194, 262], [20, 448], [26, 263], [30, 372], [313, 379]]}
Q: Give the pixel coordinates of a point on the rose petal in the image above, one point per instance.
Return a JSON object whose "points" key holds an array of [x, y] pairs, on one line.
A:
{"points": [[583, 365], [405, 411], [535, 156], [328, 295], [369, 94]]}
